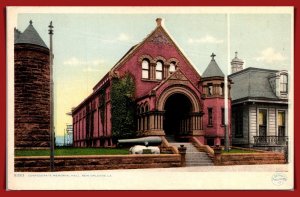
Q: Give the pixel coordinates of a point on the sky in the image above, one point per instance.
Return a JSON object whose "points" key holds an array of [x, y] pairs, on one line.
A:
{"points": [[86, 46]]}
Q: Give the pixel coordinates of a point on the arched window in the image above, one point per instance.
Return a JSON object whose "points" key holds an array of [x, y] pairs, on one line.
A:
{"points": [[142, 109], [159, 70], [172, 68], [145, 69]]}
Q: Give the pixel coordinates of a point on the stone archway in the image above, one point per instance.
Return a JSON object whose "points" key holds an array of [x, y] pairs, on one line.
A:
{"points": [[188, 121], [178, 90], [177, 110]]}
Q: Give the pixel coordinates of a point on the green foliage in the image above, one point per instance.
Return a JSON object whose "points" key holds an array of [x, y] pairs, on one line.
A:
{"points": [[123, 107], [73, 151], [235, 150]]}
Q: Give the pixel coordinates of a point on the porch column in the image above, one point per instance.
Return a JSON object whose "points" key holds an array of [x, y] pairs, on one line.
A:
{"points": [[196, 128], [138, 123], [142, 123], [155, 123]]}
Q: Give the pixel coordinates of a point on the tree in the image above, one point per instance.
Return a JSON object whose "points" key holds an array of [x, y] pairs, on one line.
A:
{"points": [[123, 107]]}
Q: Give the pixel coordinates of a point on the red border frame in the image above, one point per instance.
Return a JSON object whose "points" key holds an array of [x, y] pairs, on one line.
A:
{"points": [[3, 84]]}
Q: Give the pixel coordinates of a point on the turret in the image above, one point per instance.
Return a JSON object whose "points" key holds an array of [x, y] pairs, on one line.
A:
{"points": [[213, 79], [212, 82], [32, 89]]}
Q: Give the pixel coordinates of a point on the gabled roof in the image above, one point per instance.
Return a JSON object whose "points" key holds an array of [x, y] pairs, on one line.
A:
{"points": [[177, 75], [134, 48], [252, 83], [213, 70], [159, 27], [29, 36]]}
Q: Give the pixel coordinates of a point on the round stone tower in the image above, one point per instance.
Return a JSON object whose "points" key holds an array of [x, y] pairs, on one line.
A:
{"points": [[32, 90]]}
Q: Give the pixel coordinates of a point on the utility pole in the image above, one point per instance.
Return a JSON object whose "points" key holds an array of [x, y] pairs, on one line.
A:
{"points": [[52, 133], [226, 110], [64, 137]]}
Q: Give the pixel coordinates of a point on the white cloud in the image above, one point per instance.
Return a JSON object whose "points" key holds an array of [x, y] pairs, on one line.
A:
{"points": [[123, 37], [74, 61], [269, 55], [90, 69], [206, 39]]}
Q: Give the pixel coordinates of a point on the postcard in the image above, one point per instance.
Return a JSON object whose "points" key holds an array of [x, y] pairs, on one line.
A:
{"points": [[150, 98]]}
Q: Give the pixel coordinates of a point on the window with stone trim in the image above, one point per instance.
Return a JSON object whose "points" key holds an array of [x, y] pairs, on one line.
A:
{"points": [[210, 116], [210, 89], [145, 69], [222, 116], [172, 68], [222, 89], [159, 70]]}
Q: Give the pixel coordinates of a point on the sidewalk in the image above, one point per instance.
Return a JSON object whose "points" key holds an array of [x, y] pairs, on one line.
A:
{"points": [[233, 168]]}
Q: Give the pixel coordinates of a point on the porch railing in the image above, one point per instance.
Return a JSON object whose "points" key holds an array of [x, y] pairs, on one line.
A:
{"points": [[270, 140]]}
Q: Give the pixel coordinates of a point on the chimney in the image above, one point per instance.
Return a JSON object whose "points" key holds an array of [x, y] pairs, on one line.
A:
{"points": [[159, 22]]}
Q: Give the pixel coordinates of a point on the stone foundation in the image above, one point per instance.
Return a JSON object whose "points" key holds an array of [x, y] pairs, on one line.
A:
{"points": [[250, 158], [103, 162]]}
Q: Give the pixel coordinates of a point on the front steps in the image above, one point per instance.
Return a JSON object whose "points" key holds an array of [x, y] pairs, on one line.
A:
{"points": [[193, 156]]}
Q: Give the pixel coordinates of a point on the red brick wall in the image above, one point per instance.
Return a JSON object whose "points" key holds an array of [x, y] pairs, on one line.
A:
{"points": [[132, 65], [217, 130], [32, 96], [167, 51]]}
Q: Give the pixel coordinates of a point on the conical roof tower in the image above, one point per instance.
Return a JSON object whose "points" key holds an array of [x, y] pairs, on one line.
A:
{"points": [[29, 36], [213, 70]]}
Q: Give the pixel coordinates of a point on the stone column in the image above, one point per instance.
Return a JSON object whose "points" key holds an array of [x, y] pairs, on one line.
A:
{"points": [[155, 123], [142, 123], [166, 71], [138, 123], [152, 71], [196, 124]]}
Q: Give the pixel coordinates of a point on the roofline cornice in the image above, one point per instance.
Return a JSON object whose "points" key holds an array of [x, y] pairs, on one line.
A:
{"points": [[259, 100]]}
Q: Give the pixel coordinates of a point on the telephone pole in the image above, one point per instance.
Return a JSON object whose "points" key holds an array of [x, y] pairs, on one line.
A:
{"points": [[52, 132]]}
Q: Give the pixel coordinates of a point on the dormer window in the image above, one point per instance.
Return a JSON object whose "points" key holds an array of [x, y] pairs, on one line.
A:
{"points": [[159, 70], [283, 83], [172, 68], [145, 69]]}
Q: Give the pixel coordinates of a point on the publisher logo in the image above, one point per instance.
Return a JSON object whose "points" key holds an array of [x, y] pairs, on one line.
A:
{"points": [[279, 179]]}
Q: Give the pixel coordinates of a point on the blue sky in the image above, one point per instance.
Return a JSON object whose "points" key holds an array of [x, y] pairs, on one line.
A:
{"points": [[86, 46]]}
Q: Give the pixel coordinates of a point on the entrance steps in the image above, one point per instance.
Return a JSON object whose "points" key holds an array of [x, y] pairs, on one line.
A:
{"points": [[193, 156]]}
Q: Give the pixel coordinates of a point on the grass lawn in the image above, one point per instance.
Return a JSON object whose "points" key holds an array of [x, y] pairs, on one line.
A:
{"points": [[234, 150], [73, 151]]}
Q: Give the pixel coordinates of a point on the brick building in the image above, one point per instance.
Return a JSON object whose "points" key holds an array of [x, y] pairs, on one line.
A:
{"points": [[172, 98], [32, 89]]}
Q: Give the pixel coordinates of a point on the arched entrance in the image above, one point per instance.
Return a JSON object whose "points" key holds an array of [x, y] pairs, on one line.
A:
{"points": [[178, 108]]}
